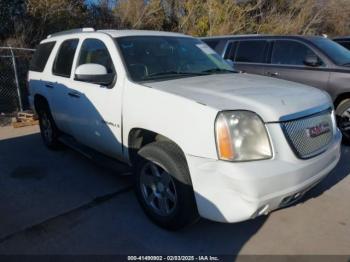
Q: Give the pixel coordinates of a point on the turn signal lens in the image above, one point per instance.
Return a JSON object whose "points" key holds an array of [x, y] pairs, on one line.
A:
{"points": [[223, 139]]}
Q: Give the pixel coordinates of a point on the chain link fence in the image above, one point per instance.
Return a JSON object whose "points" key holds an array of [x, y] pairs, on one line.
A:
{"points": [[14, 65]]}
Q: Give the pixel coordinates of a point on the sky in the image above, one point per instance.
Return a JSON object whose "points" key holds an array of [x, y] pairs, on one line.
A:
{"points": [[89, 2]]}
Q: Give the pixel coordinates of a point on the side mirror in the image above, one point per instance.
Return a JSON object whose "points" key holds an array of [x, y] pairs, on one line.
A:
{"points": [[94, 73], [312, 60]]}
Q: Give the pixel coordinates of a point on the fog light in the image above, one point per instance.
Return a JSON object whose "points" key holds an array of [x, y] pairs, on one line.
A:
{"points": [[264, 210]]}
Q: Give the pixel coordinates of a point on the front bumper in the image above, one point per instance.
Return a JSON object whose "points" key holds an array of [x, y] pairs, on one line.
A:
{"points": [[233, 192]]}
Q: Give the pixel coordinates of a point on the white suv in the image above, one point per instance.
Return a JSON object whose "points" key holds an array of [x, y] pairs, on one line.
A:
{"points": [[203, 139]]}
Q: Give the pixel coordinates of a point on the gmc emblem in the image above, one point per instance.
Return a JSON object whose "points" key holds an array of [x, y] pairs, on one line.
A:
{"points": [[318, 130]]}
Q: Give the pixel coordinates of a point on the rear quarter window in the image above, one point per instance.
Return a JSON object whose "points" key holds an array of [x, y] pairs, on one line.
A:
{"points": [[41, 56]]}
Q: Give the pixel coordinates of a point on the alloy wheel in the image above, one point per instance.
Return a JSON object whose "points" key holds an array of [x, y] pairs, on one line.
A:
{"points": [[158, 189], [344, 123]]}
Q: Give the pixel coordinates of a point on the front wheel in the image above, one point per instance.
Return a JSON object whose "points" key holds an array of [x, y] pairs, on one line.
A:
{"points": [[343, 119], [163, 186]]}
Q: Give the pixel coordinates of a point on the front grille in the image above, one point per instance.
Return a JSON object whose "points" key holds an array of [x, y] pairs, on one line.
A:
{"points": [[309, 136]]}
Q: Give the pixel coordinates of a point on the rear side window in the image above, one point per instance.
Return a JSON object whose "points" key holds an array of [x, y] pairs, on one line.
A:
{"points": [[290, 53], [251, 51], [41, 56], [94, 51], [64, 59]]}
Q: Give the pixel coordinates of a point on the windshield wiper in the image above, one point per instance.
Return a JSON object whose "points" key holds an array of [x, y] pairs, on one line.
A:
{"points": [[175, 73], [219, 70], [346, 64]]}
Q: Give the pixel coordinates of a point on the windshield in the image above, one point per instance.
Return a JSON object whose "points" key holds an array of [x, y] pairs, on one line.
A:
{"points": [[339, 54], [166, 57]]}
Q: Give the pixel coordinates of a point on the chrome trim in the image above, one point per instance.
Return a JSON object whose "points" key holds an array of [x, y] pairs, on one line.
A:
{"points": [[302, 114], [292, 144]]}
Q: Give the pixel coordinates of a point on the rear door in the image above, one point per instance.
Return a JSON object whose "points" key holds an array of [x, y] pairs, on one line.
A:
{"points": [[287, 62], [59, 83], [248, 55], [36, 76]]}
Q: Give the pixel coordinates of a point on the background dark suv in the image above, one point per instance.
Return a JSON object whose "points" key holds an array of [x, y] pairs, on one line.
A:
{"points": [[344, 41], [312, 60]]}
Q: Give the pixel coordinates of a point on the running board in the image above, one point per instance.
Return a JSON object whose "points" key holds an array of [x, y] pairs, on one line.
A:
{"points": [[98, 158]]}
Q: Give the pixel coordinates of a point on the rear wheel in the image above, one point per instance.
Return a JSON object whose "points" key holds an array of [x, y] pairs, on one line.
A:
{"points": [[163, 186], [343, 119], [48, 129]]}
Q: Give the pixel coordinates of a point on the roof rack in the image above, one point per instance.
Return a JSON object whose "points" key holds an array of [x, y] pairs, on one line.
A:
{"points": [[72, 31]]}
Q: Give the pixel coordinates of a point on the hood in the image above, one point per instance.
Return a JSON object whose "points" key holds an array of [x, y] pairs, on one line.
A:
{"points": [[270, 98]]}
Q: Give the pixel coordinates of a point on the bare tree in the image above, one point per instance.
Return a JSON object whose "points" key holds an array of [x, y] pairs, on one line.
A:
{"points": [[140, 14], [26, 22]]}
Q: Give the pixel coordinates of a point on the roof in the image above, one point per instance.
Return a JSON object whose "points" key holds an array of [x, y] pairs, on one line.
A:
{"points": [[341, 38], [229, 36], [257, 36], [114, 33], [121, 33]]}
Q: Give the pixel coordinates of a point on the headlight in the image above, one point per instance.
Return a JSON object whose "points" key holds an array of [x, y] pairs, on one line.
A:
{"points": [[241, 136]]}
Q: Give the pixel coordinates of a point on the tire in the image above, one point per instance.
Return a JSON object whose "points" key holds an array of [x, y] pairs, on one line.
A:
{"points": [[343, 119], [173, 184], [48, 129]]}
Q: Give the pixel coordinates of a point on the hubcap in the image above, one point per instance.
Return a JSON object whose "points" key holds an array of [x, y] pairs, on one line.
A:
{"points": [[344, 123], [46, 127], [158, 189], [346, 113]]}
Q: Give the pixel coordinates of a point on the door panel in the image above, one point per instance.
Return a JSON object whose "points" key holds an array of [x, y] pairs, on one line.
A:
{"points": [[258, 69], [59, 102], [95, 120], [312, 77], [288, 62]]}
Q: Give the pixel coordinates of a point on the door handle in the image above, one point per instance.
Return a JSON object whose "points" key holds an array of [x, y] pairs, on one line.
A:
{"points": [[49, 85], [74, 94], [273, 74]]}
